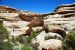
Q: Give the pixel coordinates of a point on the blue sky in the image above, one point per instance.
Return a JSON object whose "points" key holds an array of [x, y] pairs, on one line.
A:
{"points": [[38, 6]]}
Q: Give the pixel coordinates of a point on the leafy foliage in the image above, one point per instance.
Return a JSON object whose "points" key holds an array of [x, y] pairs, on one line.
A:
{"points": [[70, 41], [33, 35], [26, 47], [6, 46], [4, 38], [25, 41]]}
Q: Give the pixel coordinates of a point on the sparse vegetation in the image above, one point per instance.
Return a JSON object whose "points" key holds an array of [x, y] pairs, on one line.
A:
{"points": [[70, 41], [26, 47], [25, 41], [60, 21], [4, 38], [16, 26], [33, 35]]}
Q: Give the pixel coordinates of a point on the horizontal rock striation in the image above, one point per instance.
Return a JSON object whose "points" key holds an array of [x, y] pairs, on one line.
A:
{"points": [[62, 18], [60, 22], [20, 22]]}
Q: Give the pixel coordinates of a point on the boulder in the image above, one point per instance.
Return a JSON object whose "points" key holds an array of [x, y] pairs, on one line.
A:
{"points": [[26, 17], [36, 22], [52, 44], [43, 37], [29, 17]]}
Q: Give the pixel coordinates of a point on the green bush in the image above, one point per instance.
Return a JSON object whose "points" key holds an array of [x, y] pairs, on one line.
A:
{"points": [[4, 35], [33, 35], [3, 32], [26, 47], [70, 41], [6, 46], [27, 41]]}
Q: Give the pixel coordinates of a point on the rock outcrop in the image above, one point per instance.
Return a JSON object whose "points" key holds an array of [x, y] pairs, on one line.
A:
{"points": [[53, 26], [62, 18], [48, 41], [6, 9], [20, 22]]}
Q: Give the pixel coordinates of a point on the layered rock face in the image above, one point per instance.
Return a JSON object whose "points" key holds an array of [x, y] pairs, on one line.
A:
{"points": [[62, 18], [55, 25], [19, 22], [61, 21]]}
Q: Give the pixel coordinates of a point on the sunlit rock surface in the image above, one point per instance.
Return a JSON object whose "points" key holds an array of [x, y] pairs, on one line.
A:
{"points": [[53, 27], [43, 40], [51, 44], [12, 20], [62, 18], [16, 27], [38, 28]]}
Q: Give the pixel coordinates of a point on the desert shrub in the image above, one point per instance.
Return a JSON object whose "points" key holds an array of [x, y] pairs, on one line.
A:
{"points": [[20, 39], [15, 39], [70, 41], [26, 47], [16, 26], [4, 38], [3, 32], [33, 35], [6, 46], [27, 41]]}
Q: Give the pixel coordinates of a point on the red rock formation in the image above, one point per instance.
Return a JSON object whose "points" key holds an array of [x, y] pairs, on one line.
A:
{"points": [[26, 17], [30, 17], [28, 32], [64, 12], [58, 31], [36, 22], [61, 32], [5, 9]]}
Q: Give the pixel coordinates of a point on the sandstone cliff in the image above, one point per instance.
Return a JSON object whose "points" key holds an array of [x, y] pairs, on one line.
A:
{"points": [[60, 23], [62, 18]]}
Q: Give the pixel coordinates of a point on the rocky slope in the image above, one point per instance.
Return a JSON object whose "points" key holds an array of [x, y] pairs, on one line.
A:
{"points": [[51, 27], [19, 20], [62, 18]]}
